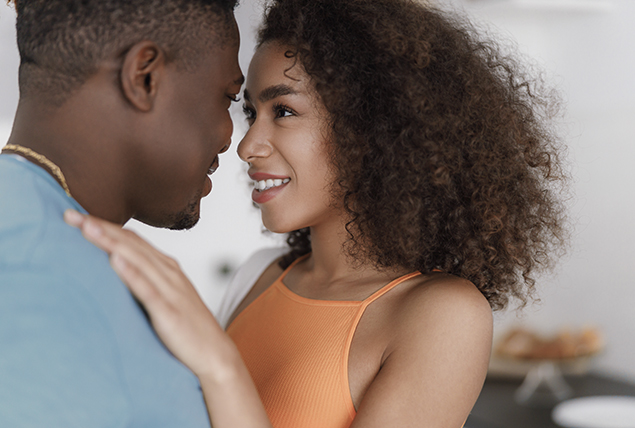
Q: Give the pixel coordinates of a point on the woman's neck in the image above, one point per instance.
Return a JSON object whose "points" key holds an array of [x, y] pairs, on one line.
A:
{"points": [[329, 259], [330, 272]]}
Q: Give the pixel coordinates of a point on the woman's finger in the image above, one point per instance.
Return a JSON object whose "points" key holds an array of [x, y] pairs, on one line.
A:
{"points": [[162, 272], [94, 229], [113, 239], [145, 261], [137, 283]]}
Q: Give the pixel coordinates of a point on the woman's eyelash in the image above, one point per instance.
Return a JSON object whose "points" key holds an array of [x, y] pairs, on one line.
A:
{"points": [[249, 112], [277, 108], [234, 98]]}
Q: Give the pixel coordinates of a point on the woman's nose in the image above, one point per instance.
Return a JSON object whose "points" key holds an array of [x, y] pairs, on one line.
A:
{"points": [[254, 145]]}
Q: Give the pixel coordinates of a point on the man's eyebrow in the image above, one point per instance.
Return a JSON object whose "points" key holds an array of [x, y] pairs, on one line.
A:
{"points": [[272, 92]]}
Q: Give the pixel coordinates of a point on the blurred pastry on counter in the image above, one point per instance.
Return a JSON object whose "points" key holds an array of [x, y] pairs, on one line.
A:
{"points": [[521, 343]]}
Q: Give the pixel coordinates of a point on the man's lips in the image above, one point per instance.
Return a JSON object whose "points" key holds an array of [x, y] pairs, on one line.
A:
{"points": [[207, 189], [212, 169]]}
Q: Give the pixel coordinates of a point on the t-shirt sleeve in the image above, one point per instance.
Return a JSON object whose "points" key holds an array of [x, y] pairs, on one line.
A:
{"points": [[59, 364]]}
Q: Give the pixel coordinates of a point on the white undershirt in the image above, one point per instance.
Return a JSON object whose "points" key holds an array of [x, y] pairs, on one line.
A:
{"points": [[244, 279]]}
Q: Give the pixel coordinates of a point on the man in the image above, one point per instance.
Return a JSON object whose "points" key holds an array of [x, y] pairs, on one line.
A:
{"points": [[122, 113]]}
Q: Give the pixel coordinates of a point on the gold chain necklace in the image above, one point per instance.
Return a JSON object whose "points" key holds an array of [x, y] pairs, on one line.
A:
{"points": [[55, 170]]}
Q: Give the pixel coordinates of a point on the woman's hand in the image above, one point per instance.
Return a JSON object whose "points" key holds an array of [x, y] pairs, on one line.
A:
{"points": [[182, 321], [176, 311]]}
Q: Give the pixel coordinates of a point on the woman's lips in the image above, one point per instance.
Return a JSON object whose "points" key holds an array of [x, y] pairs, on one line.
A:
{"points": [[262, 196], [267, 186]]}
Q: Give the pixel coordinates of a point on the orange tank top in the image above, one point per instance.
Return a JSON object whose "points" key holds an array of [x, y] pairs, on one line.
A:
{"points": [[296, 350]]}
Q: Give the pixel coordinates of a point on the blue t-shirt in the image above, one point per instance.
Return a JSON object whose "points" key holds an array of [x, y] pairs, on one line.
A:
{"points": [[75, 348]]}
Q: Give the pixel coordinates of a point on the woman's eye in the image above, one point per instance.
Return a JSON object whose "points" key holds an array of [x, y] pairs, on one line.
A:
{"points": [[234, 98], [282, 111], [250, 114]]}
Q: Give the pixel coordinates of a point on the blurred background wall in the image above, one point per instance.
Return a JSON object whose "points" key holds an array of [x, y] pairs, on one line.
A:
{"points": [[587, 49]]}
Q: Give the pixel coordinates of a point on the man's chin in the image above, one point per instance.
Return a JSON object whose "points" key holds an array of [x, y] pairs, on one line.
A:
{"points": [[185, 222], [182, 220]]}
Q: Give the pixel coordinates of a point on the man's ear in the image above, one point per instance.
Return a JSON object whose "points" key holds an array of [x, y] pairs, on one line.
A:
{"points": [[141, 74]]}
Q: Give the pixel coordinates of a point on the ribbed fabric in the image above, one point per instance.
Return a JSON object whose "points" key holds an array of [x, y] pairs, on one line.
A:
{"points": [[296, 350]]}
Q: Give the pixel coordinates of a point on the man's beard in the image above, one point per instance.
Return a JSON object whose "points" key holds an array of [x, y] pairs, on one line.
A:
{"points": [[187, 218], [182, 220]]}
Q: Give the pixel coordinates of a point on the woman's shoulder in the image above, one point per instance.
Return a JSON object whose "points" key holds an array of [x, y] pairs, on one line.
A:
{"points": [[448, 293], [442, 304], [441, 295]]}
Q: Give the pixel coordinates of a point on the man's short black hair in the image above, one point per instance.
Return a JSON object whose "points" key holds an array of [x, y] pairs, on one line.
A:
{"points": [[61, 42]]}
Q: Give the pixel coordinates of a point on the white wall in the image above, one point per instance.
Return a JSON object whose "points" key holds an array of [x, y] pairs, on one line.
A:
{"points": [[589, 53], [9, 61], [587, 47]]}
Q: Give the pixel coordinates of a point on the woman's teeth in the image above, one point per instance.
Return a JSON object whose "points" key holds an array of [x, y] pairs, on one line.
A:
{"points": [[263, 185]]}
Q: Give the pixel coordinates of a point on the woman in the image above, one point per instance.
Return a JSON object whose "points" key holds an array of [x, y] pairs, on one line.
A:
{"points": [[412, 168]]}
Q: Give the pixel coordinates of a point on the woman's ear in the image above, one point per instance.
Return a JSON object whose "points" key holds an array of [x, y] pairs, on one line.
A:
{"points": [[141, 74]]}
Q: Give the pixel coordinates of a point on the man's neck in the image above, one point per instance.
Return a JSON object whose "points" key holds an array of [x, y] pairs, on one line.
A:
{"points": [[73, 142]]}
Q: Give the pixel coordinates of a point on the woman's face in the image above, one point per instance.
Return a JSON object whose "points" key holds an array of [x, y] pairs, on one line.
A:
{"points": [[286, 143]]}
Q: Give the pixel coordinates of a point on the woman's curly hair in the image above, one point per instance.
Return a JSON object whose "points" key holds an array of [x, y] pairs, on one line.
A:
{"points": [[443, 148]]}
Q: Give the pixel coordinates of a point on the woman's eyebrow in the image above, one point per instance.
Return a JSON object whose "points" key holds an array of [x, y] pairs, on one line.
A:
{"points": [[272, 92]]}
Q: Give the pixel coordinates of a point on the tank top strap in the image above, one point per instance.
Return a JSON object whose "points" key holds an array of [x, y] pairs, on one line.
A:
{"points": [[385, 289], [293, 263]]}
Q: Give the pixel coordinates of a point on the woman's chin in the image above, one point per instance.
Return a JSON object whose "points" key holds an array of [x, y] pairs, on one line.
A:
{"points": [[276, 226], [275, 229]]}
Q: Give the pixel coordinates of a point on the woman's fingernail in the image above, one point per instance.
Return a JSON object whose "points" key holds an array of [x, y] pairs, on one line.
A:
{"points": [[73, 218], [92, 230]]}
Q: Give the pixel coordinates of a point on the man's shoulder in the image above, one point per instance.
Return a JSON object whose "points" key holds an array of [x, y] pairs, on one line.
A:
{"points": [[42, 259], [23, 209], [42, 299], [32, 228], [75, 351], [58, 349], [76, 348]]}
